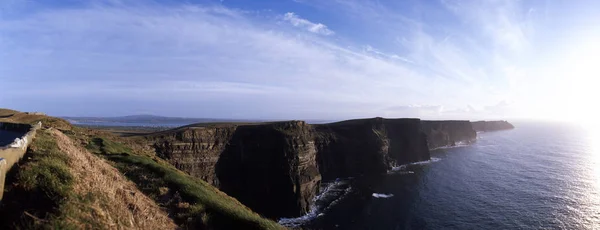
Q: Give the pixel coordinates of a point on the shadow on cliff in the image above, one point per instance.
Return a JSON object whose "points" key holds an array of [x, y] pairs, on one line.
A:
{"points": [[368, 146], [260, 167]]}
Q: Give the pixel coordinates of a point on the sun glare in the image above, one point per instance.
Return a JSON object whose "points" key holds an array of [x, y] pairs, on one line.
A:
{"points": [[580, 77]]}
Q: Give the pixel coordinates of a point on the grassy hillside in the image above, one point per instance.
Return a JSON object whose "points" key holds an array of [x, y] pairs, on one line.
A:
{"points": [[62, 186], [63, 183], [192, 202], [39, 188], [8, 115]]}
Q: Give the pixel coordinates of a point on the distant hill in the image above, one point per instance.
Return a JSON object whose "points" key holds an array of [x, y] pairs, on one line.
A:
{"points": [[146, 120], [152, 120]]}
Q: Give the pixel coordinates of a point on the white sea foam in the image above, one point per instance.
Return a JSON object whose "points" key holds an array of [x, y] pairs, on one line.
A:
{"points": [[457, 145], [401, 169], [433, 159], [381, 195], [339, 188], [398, 168], [319, 206]]}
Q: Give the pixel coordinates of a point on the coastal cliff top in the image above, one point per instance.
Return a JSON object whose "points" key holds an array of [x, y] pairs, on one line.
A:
{"points": [[9, 115]]}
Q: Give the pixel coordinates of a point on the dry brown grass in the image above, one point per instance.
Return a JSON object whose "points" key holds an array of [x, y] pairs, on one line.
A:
{"points": [[7, 112], [7, 115], [111, 201]]}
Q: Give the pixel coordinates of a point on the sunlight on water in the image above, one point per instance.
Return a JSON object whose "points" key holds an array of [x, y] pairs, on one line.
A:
{"points": [[538, 176], [590, 208], [593, 143]]}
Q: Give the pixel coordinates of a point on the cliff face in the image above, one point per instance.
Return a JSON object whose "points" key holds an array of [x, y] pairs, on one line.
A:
{"points": [[269, 167], [368, 146], [194, 150], [276, 168], [448, 133], [486, 126]]}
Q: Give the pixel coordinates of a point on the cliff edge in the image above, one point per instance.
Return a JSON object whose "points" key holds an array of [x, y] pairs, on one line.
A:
{"points": [[276, 168], [368, 146], [487, 126], [448, 133]]}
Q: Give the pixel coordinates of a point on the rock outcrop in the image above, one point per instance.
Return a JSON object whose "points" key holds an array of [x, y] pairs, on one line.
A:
{"points": [[448, 133], [486, 126]]}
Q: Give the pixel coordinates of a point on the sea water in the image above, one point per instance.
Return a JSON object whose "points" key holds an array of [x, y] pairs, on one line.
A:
{"points": [[537, 176]]}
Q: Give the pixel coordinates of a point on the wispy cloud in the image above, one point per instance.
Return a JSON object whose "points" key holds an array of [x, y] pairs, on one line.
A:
{"points": [[317, 28], [470, 43], [216, 50], [221, 60]]}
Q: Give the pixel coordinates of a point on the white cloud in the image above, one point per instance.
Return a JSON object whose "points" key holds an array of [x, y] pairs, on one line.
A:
{"points": [[465, 45], [195, 53], [297, 21], [504, 22], [199, 54], [376, 52]]}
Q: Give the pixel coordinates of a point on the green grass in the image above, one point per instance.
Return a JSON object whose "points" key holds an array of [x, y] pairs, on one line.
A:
{"points": [[39, 192], [42, 186], [104, 146], [192, 203]]}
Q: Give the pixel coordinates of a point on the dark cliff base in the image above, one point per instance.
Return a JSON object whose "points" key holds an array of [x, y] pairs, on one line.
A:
{"points": [[276, 168]]}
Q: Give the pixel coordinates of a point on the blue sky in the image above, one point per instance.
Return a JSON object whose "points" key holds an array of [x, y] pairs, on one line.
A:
{"points": [[300, 59]]}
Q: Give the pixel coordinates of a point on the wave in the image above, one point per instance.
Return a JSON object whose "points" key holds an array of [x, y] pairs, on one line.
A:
{"points": [[335, 191], [460, 144], [331, 194], [431, 160], [402, 169], [381, 195]]}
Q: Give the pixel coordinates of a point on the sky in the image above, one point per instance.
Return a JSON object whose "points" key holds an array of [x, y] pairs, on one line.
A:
{"points": [[302, 59]]}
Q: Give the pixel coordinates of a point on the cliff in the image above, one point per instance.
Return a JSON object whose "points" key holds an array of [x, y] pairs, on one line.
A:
{"points": [[132, 188], [448, 133], [194, 150], [486, 126], [269, 167], [368, 146], [276, 168]]}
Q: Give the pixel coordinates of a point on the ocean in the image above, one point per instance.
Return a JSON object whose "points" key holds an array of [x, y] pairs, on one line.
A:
{"points": [[537, 176]]}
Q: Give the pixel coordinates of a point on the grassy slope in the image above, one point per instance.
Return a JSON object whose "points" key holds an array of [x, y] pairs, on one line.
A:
{"points": [[57, 186], [7, 115], [193, 202], [39, 192]]}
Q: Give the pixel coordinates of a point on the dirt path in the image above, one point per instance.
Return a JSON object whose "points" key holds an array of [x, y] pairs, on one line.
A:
{"points": [[112, 200]]}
